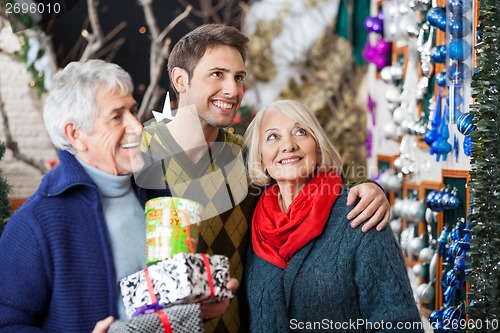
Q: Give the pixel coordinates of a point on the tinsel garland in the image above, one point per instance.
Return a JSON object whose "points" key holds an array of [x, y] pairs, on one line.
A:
{"points": [[4, 189], [484, 293]]}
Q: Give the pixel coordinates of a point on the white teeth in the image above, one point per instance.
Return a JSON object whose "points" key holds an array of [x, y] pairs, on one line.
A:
{"points": [[223, 105], [290, 160], [129, 145]]}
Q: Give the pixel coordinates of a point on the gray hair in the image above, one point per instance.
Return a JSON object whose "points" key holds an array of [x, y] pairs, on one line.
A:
{"points": [[72, 97], [330, 157]]}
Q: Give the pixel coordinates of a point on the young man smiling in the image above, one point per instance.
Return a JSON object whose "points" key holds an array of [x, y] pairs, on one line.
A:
{"points": [[203, 162]]}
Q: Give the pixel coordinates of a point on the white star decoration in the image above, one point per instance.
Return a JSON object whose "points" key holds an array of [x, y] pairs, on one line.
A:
{"points": [[167, 111]]}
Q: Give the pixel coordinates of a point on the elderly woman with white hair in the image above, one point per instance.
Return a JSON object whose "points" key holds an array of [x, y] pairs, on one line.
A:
{"points": [[307, 269]]}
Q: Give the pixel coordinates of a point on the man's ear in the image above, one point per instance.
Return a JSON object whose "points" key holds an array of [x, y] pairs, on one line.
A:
{"points": [[180, 79], [74, 136]]}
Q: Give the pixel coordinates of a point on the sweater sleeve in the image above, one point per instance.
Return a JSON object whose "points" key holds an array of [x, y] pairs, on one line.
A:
{"points": [[385, 294], [24, 286]]}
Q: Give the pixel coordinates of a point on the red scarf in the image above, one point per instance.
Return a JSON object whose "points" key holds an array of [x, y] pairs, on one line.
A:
{"points": [[276, 235]]}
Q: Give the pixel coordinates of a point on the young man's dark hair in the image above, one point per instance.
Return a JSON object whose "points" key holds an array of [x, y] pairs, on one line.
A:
{"points": [[191, 48]]}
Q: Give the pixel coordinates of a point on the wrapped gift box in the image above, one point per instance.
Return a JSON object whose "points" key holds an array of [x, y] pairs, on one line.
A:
{"points": [[183, 279], [178, 319]]}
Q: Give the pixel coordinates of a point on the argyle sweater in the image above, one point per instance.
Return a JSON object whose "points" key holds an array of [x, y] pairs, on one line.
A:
{"points": [[219, 181]]}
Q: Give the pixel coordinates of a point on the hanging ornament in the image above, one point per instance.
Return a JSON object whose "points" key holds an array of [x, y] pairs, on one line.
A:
{"points": [[458, 72], [459, 49], [465, 126], [459, 26], [426, 255], [455, 147], [431, 135], [438, 54], [440, 78], [458, 7], [374, 24], [437, 17], [425, 293]]}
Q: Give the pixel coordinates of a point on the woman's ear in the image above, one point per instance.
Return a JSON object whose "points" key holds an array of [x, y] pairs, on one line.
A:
{"points": [[74, 136], [180, 79]]}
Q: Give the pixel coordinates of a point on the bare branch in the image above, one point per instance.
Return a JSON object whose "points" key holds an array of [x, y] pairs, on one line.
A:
{"points": [[96, 40], [176, 21], [11, 144], [158, 55], [94, 19]]}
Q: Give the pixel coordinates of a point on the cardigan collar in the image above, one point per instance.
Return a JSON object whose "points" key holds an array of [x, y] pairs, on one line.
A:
{"points": [[68, 174]]}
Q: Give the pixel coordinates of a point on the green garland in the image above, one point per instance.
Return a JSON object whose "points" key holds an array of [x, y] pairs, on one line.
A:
{"points": [[4, 189], [485, 174]]}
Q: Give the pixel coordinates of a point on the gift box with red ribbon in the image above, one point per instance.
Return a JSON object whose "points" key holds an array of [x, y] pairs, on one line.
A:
{"points": [[176, 319], [185, 278]]}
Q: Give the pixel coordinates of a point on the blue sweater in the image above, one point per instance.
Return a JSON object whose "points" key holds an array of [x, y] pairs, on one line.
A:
{"points": [[56, 264], [340, 277]]}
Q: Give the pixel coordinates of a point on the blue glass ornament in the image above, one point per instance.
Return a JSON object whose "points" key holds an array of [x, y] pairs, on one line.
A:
{"points": [[436, 320], [464, 123], [456, 149], [436, 15], [458, 7], [456, 250], [461, 263], [440, 78], [432, 134], [479, 36], [459, 50], [458, 72], [457, 98], [459, 27], [442, 147], [467, 146], [454, 202], [438, 53], [443, 240]]}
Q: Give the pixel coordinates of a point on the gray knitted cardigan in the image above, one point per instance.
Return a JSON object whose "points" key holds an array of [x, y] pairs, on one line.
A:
{"points": [[343, 281]]}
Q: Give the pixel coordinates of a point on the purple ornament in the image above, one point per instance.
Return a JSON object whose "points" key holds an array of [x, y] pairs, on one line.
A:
{"points": [[369, 52], [381, 61], [380, 15], [459, 50], [459, 27], [374, 24], [383, 47]]}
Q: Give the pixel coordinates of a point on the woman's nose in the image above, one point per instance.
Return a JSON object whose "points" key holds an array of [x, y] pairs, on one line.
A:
{"points": [[289, 145]]}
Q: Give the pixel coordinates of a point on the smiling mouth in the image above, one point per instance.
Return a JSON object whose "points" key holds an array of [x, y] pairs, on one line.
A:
{"points": [[223, 105], [290, 160], [129, 145]]}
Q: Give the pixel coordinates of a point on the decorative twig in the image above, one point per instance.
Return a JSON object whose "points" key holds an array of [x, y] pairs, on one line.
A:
{"points": [[159, 52], [96, 40], [11, 144]]}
